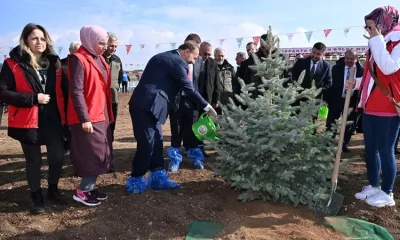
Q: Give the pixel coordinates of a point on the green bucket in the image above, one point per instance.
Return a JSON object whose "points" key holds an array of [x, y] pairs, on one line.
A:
{"points": [[205, 128], [323, 112]]}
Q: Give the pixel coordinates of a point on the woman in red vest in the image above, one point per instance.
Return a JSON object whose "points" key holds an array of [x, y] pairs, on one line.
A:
{"points": [[34, 87], [90, 113], [381, 122]]}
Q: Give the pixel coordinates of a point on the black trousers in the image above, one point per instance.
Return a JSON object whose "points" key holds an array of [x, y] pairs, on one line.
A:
{"points": [[181, 122], [112, 125], [334, 113], [124, 87], [33, 159], [148, 134]]}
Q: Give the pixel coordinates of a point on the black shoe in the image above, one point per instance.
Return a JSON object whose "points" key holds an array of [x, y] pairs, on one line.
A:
{"points": [[112, 168], [37, 206], [345, 149], [55, 196], [99, 195]]}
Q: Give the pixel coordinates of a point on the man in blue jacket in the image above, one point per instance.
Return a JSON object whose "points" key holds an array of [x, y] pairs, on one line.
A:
{"points": [[165, 74]]}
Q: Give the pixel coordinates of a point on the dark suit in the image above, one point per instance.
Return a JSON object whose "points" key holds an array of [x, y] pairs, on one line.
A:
{"points": [[322, 75], [336, 100], [165, 74], [181, 121], [209, 85]]}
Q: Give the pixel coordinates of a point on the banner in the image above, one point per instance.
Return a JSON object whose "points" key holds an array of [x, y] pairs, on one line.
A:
{"points": [[359, 49], [327, 31], [346, 31], [173, 45], [308, 35], [256, 40], [221, 41], [239, 42], [290, 36], [128, 48]]}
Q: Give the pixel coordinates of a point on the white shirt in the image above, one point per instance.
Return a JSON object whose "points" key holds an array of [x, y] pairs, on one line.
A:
{"points": [[346, 70], [388, 63]]}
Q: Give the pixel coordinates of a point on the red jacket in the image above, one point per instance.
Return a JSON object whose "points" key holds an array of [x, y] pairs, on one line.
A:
{"points": [[376, 101], [97, 93], [22, 117]]}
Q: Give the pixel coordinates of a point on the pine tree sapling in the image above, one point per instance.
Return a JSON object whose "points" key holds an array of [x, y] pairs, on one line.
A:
{"points": [[269, 148]]}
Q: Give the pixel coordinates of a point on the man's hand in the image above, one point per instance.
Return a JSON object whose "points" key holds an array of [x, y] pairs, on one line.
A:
{"points": [[211, 111], [87, 127], [43, 98], [350, 84]]}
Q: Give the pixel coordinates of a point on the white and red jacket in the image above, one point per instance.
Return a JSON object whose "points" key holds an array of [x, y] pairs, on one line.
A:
{"points": [[385, 51]]}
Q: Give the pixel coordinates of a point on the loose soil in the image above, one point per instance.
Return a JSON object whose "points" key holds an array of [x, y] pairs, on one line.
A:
{"points": [[167, 214]]}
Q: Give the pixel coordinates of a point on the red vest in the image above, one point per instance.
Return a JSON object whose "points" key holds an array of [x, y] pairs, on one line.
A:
{"points": [[23, 117], [376, 101], [96, 92]]}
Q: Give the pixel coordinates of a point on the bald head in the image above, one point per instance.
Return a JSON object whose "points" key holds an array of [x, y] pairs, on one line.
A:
{"points": [[350, 57]]}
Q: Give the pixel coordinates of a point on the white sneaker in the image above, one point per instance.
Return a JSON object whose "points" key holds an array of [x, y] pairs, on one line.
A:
{"points": [[381, 199], [366, 192]]}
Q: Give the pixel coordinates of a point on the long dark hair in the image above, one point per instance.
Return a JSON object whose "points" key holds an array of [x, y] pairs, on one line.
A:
{"points": [[24, 48]]}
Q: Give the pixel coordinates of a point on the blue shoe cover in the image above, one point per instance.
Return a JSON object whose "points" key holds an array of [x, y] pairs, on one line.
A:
{"points": [[158, 180], [196, 158], [175, 157], [136, 185]]}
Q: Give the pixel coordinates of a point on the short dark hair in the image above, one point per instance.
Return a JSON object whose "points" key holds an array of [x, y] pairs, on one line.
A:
{"points": [[320, 46], [193, 37], [188, 45], [250, 43]]}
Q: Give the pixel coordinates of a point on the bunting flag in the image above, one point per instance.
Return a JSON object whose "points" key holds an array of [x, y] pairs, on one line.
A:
{"points": [[256, 40], [173, 44], [346, 31], [290, 36], [158, 45], [327, 31], [142, 46], [60, 50], [128, 48], [5, 57], [308, 35], [239, 41], [221, 41]]}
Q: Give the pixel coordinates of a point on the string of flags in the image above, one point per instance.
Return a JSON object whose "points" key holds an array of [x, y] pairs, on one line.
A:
{"points": [[239, 40]]}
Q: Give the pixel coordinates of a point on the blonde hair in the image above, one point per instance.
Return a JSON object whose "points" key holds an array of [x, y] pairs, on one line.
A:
{"points": [[24, 48]]}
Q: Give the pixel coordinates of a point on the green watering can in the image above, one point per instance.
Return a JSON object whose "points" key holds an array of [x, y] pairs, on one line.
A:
{"points": [[323, 112], [205, 128]]}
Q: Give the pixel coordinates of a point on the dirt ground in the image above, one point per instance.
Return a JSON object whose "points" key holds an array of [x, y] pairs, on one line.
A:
{"points": [[167, 214]]}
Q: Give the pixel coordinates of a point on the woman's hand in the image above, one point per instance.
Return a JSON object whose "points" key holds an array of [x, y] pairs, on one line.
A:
{"points": [[373, 31], [43, 98], [87, 127]]}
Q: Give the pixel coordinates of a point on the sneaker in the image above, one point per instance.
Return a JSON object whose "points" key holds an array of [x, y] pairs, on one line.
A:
{"points": [[55, 196], [37, 206], [158, 180], [367, 192], [381, 199], [86, 198], [175, 157], [136, 185], [196, 158], [99, 195]]}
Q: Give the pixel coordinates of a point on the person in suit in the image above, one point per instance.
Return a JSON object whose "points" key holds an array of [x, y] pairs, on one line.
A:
{"points": [[182, 119], [316, 68], [164, 76], [336, 94]]}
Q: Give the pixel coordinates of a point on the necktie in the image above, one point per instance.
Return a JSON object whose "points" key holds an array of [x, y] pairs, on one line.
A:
{"points": [[347, 79], [312, 71]]}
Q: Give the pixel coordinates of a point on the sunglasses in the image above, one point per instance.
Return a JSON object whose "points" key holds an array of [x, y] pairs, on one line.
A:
{"points": [[207, 54]]}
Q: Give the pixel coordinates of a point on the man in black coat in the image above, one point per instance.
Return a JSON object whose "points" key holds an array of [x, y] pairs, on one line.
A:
{"points": [[316, 68], [336, 94]]}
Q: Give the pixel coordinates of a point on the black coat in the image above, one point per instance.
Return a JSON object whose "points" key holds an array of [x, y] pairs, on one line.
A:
{"points": [[211, 82], [49, 116], [334, 94]]}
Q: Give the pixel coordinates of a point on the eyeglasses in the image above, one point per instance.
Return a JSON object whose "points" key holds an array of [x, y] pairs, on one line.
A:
{"points": [[207, 54]]}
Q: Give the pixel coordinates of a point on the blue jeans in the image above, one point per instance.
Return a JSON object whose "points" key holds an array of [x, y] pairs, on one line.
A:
{"points": [[380, 135]]}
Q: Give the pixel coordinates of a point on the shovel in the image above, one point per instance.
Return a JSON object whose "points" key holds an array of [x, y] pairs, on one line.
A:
{"points": [[335, 199]]}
